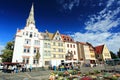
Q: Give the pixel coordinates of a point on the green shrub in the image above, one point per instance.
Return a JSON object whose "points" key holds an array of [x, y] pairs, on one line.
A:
{"points": [[114, 78], [70, 71], [96, 71], [74, 72], [60, 78], [60, 73], [55, 72]]}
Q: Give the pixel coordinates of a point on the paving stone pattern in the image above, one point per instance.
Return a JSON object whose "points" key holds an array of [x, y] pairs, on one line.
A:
{"points": [[36, 75]]}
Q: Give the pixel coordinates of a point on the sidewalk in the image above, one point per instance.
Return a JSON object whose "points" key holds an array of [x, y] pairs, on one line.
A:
{"points": [[35, 75]]}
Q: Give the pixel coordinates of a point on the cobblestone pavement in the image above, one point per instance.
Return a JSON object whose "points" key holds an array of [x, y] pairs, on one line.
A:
{"points": [[35, 75], [44, 75]]}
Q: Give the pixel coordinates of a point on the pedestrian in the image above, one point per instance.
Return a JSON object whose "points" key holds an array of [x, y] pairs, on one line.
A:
{"points": [[30, 68], [5, 68]]}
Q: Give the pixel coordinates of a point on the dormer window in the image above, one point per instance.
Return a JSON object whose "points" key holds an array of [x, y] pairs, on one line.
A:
{"points": [[68, 39]]}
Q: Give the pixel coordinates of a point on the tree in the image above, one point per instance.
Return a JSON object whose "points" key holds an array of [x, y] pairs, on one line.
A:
{"points": [[113, 55], [7, 52], [37, 56], [118, 53]]}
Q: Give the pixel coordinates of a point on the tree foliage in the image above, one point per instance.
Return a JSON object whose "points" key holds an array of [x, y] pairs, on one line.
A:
{"points": [[37, 56], [113, 55], [118, 53], [7, 52]]}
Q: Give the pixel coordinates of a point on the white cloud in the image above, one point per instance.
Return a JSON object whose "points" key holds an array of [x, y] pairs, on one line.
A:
{"points": [[105, 19], [98, 27], [109, 3], [68, 4], [110, 39]]}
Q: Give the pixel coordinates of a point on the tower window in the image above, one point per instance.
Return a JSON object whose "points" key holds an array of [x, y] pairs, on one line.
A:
{"points": [[30, 34]]}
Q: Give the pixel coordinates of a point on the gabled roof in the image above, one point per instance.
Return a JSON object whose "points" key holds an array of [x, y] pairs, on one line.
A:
{"points": [[67, 38], [99, 49], [57, 32], [50, 35]]}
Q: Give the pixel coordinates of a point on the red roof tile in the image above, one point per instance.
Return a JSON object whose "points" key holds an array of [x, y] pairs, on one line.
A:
{"points": [[99, 49], [67, 38]]}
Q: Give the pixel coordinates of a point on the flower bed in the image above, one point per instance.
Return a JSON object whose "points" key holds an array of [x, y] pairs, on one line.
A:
{"points": [[77, 75]]}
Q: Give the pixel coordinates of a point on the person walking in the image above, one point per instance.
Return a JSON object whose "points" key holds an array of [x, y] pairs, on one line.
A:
{"points": [[30, 68]]}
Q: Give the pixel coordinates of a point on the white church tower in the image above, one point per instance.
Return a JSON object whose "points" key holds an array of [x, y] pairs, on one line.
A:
{"points": [[28, 42]]}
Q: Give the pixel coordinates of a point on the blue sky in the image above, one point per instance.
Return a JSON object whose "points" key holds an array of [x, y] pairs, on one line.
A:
{"points": [[94, 21]]}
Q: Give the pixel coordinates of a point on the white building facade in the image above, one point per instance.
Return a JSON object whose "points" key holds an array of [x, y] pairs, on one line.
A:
{"points": [[27, 42]]}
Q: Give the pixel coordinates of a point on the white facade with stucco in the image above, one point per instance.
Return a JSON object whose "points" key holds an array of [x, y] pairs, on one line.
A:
{"points": [[71, 47], [27, 42]]}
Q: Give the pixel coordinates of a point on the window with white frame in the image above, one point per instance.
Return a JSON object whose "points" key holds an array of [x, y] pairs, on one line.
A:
{"points": [[36, 42], [26, 33], [23, 33], [73, 46], [37, 35], [49, 45], [34, 34], [25, 60], [27, 41], [47, 62], [45, 45], [35, 61], [30, 35], [60, 50], [61, 56], [54, 44], [26, 50], [36, 49], [49, 53], [45, 53], [54, 49], [60, 44]]}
